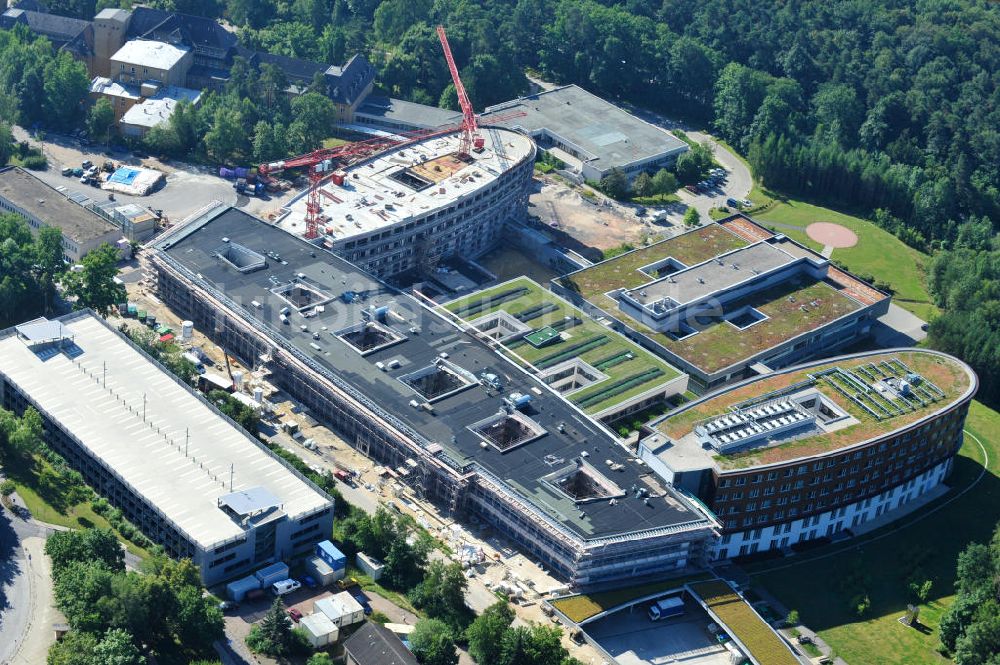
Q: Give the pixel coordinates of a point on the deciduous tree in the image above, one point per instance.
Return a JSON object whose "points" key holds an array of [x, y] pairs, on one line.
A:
{"points": [[94, 286], [101, 120], [433, 643], [486, 633]]}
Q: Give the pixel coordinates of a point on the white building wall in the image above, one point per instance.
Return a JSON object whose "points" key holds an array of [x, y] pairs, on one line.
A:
{"points": [[850, 516]]}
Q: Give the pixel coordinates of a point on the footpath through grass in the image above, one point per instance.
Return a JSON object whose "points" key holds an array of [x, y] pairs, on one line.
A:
{"points": [[820, 586], [878, 252]]}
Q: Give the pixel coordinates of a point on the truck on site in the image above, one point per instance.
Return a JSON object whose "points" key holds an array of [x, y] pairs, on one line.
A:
{"points": [[666, 608]]}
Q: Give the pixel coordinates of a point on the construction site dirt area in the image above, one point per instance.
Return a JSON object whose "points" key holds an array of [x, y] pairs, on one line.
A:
{"points": [[579, 223], [440, 168]]}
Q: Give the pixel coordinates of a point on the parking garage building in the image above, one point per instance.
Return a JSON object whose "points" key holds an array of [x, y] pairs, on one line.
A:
{"points": [[191, 479]]}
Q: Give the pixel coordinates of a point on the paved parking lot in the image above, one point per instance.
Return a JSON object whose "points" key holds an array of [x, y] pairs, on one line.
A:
{"points": [[632, 639], [188, 187]]}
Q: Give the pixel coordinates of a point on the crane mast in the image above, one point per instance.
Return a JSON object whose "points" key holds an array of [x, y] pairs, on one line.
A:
{"points": [[470, 137]]}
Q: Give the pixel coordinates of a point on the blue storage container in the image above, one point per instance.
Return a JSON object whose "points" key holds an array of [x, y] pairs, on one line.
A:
{"points": [[271, 574], [331, 555], [240, 588]]}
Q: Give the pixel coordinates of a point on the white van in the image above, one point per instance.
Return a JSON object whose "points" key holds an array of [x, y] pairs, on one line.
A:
{"points": [[283, 587]]}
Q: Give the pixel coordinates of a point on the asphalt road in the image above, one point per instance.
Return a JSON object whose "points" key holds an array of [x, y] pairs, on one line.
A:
{"points": [[739, 181], [16, 584]]}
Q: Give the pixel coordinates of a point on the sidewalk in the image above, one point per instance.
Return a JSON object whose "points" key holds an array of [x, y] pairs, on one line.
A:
{"points": [[38, 634], [824, 648]]}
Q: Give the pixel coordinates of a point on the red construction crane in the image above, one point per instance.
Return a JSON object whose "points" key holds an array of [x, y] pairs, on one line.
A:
{"points": [[470, 137], [322, 163]]}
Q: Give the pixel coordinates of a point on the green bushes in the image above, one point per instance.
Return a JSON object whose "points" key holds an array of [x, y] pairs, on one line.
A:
{"points": [[486, 303], [572, 351], [35, 162], [126, 529]]}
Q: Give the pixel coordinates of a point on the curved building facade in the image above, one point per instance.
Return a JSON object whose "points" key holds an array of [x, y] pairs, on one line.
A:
{"points": [[831, 447], [411, 206]]}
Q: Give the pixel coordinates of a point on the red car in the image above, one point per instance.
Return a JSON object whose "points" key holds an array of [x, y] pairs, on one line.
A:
{"points": [[295, 614]]}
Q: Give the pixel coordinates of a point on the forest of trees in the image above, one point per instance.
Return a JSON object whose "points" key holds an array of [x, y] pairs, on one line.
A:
{"points": [[881, 104], [868, 104], [116, 614], [888, 108], [970, 628]]}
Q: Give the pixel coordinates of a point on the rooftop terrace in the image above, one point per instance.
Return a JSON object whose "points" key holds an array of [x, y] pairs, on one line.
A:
{"points": [[396, 356], [407, 182], [781, 312], [593, 366], [691, 284], [864, 395]]}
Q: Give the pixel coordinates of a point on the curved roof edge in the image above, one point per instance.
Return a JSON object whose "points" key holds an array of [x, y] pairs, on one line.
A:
{"points": [[965, 397]]}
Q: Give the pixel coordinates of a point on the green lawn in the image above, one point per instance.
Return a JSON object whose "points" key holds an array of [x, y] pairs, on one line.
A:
{"points": [[334, 142], [583, 606], [932, 544], [80, 516], [656, 199], [878, 252]]}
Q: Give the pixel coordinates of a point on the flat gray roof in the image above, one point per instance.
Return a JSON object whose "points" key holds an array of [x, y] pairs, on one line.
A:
{"points": [[398, 111], [183, 476], [41, 330], [714, 275], [422, 339], [39, 199], [612, 136], [149, 53]]}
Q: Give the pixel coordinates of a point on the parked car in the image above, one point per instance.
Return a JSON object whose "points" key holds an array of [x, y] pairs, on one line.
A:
{"points": [[309, 581], [67, 171], [86, 163], [284, 587], [295, 614], [227, 605]]}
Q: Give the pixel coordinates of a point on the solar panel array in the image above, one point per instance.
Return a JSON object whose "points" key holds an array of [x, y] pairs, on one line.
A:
{"points": [[885, 389], [745, 426]]}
